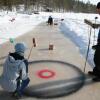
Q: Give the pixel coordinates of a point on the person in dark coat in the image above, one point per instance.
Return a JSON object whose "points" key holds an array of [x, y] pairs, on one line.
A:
{"points": [[96, 69], [50, 20]]}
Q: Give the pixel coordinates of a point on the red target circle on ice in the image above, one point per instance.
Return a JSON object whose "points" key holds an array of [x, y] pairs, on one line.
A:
{"points": [[46, 73]]}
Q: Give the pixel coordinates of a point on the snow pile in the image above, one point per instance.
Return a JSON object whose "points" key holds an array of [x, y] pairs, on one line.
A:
{"points": [[13, 25], [75, 28]]}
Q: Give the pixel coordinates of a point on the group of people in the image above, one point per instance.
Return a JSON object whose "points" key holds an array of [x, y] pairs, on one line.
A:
{"points": [[14, 78]]}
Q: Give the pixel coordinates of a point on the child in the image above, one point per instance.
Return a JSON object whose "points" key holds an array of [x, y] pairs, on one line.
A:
{"points": [[15, 71]]}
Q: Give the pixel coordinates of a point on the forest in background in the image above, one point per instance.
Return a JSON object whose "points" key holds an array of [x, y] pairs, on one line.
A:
{"points": [[47, 5]]}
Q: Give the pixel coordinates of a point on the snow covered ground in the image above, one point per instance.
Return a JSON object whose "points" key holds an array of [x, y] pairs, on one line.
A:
{"points": [[13, 25], [79, 32]]}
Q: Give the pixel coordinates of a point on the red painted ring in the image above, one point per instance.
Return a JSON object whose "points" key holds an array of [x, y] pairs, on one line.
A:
{"points": [[41, 72]]}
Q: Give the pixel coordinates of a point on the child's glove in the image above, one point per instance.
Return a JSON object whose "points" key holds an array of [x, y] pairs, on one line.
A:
{"points": [[20, 81]]}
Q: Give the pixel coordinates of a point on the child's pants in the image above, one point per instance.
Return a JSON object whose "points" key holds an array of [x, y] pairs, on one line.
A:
{"points": [[22, 85]]}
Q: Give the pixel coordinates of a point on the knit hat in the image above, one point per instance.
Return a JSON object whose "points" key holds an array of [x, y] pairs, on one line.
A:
{"points": [[98, 5], [20, 47]]}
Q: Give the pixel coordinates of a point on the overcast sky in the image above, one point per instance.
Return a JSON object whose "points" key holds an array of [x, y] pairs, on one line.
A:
{"points": [[91, 1]]}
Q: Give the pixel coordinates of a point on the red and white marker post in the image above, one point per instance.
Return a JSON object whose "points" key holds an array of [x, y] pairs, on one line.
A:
{"points": [[34, 45]]}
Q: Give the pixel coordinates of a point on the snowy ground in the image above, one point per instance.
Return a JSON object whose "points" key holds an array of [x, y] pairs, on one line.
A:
{"points": [[79, 32], [13, 25]]}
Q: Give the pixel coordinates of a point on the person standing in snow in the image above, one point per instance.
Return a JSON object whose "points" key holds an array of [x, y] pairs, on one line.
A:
{"points": [[50, 20], [96, 69], [14, 77]]}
